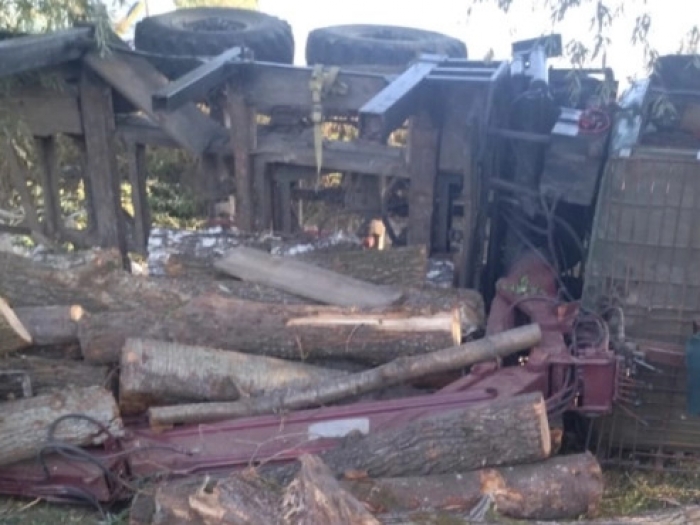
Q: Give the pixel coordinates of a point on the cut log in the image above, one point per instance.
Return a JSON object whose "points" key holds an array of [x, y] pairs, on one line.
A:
{"points": [[53, 375], [94, 280], [51, 325], [25, 424], [563, 487], [503, 432], [155, 373], [404, 267], [13, 334], [315, 497], [14, 384], [395, 372], [102, 336], [295, 332], [305, 280]]}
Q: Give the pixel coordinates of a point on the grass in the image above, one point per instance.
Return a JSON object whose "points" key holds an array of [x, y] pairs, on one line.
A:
{"points": [[22, 512], [628, 493]]}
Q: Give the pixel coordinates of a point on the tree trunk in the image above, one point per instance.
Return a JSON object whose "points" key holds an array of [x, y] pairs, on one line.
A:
{"points": [[51, 325], [26, 424], [51, 375], [400, 370], [295, 332], [14, 384], [25, 282], [503, 432], [305, 280], [403, 267], [13, 334], [562, 487], [155, 373], [102, 336], [94, 281]]}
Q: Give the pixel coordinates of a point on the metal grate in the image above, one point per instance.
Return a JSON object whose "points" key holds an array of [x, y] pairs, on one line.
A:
{"points": [[644, 257], [650, 427], [645, 248]]}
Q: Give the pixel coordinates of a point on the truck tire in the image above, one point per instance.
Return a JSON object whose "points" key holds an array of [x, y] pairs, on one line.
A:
{"points": [[209, 31], [377, 45]]}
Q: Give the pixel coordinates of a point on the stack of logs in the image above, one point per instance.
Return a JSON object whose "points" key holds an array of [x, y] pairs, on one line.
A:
{"points": [[281, 335]]}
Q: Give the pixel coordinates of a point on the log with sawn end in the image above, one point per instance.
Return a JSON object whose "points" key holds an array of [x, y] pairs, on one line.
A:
{"points": [[400, 370], [51, 325], [561, 487], [505, 431], [13, 334], [295, 332], [26, 425], [305, 280], [156, 373]]}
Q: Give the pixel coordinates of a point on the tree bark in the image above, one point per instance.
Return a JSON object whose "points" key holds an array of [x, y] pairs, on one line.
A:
{"points": [[13, 334], [503, 432], [562, 487], [25, 423], [315, 497], [305, 280], [240, 499], [94, 280], [155, 373], [51, 375], [295, 332], [51, 325], [403, 267], [689, 515], [400, 370], [102, 336], [14, 384]]}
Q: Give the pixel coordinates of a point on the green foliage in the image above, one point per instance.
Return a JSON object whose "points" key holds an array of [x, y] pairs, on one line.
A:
{"points": [[601, 16]]}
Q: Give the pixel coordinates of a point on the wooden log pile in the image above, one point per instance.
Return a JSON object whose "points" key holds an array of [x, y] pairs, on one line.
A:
{"points": [[274, 337]]}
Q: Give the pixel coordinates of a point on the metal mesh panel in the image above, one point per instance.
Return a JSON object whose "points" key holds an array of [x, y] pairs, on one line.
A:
{"points": [[644, 256], [645, 248], [650, 427]]}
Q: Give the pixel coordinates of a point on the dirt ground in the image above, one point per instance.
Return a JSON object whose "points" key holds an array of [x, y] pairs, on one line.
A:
{"points": [[627, 493]]}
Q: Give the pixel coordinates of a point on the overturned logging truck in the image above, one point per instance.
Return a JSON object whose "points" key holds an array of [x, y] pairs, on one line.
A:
{"points": [[564, 209]]}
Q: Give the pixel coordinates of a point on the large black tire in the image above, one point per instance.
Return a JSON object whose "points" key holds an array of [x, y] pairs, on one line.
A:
{"points": [[377, 45], [209, 31]]}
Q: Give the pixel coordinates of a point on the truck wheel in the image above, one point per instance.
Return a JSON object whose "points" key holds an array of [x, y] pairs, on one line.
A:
{"points": [[209, 31], [377, 45]]}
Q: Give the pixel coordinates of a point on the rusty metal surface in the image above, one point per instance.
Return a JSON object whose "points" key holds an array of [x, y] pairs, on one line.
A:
{"points": [[645, 244], [581, 375]]}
